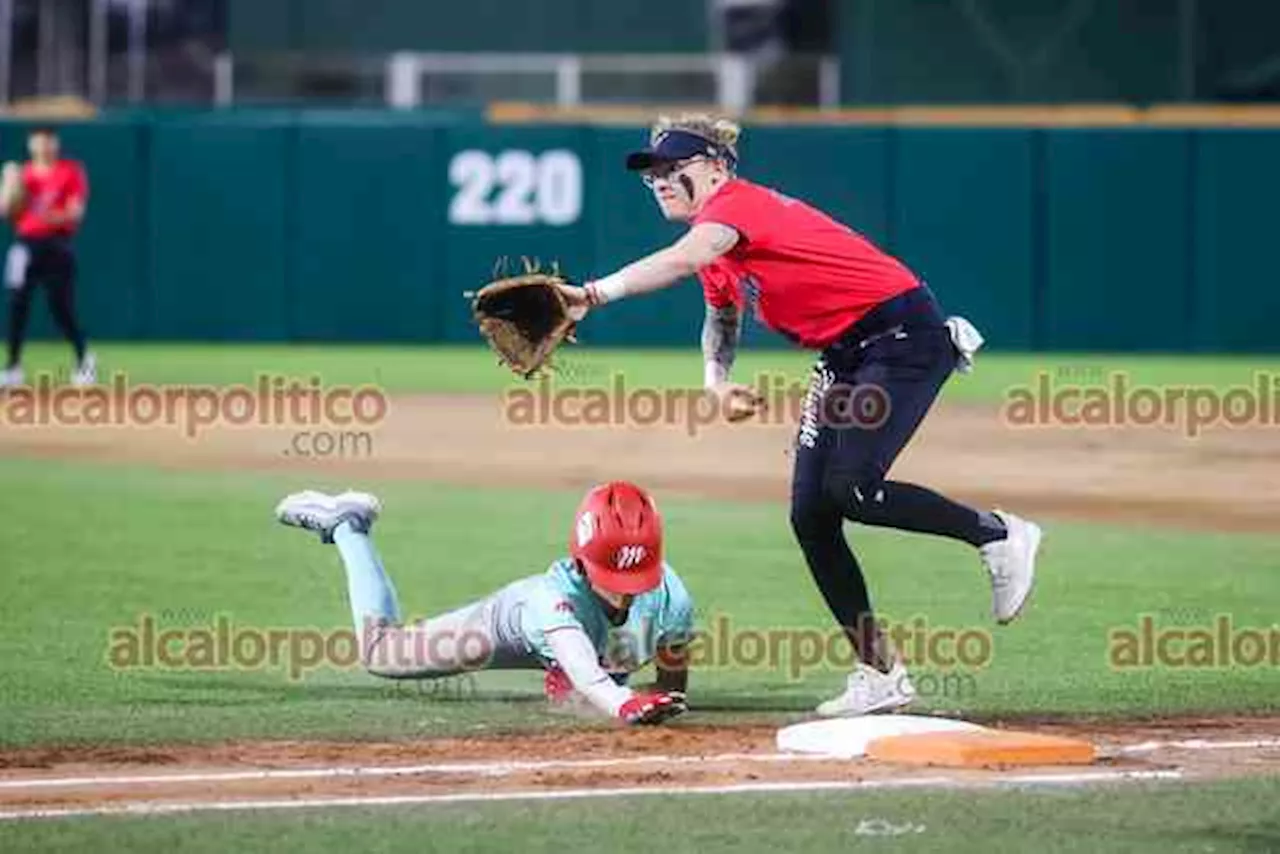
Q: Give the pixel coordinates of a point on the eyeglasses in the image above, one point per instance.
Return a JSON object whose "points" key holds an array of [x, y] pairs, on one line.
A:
{"points": [[664, 171]]}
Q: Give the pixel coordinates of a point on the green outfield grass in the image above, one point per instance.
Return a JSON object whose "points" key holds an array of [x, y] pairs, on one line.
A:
{"points": [[1225, 817], [90, 548], [473, 369]]}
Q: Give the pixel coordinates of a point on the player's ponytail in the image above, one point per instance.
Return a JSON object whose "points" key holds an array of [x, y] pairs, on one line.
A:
{"points": [[727, 132]]}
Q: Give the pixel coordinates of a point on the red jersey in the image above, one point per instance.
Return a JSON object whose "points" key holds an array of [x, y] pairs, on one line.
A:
{"points": [[50, 191], [809, 276]]}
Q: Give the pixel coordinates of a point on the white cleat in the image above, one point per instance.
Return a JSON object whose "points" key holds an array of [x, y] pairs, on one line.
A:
{"points": [[12, 377], [320, 512], [86, 373], [1012, 564], [868, 690]]}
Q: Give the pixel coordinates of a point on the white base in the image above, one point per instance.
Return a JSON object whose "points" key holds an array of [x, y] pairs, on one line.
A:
{"points": [[847, 738]]}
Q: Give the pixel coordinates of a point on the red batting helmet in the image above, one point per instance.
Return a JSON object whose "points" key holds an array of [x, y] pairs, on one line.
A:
{"points": [[617, 536]]}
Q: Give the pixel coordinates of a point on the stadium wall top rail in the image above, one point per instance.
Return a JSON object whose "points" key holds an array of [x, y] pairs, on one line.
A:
{"points": [[1069, 115]]}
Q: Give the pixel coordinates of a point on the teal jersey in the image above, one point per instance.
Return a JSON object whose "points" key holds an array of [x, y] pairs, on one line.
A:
{"points": [[561, 597]]}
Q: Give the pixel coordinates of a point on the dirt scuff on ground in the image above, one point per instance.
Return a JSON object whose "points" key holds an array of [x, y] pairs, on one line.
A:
{"points": [[1223, 479]]}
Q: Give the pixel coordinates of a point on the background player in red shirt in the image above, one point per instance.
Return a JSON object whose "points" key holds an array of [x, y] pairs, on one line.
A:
{"points": [[46, 199], [886, 349]]}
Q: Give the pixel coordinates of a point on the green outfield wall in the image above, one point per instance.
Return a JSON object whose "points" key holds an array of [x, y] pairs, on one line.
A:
{"points": [[317, 226]]}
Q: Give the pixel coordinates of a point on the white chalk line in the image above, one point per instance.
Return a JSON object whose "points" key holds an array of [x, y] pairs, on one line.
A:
{"points": [[1199, 744], [158, 809], [483, 769], [503, 769]]}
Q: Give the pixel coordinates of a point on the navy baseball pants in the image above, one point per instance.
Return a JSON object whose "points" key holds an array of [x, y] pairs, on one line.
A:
{"points": [[49, 262], [868, 395]]}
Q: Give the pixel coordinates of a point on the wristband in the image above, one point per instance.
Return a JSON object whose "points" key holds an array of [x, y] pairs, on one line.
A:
{"points": [[608, 289]]}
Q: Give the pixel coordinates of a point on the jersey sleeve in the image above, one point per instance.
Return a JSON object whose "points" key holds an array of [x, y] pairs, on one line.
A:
{"points": [[719, 286], [745, 212], [546, 609]]}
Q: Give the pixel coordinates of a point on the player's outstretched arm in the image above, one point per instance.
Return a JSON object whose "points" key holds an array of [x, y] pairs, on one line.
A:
{"points": [[700, 245], [577, 658]]}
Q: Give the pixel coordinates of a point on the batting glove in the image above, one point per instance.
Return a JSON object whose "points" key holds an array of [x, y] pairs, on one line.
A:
{"points": [[653, 708], [556, 686]]}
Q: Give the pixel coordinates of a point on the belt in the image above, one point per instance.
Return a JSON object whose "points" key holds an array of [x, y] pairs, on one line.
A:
{"points": [[913, 308], [899, 331]]}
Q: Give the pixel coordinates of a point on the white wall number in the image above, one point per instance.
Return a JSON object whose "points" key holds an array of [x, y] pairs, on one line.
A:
{"points": [[515, 188], [472, 172], [560, 187]]}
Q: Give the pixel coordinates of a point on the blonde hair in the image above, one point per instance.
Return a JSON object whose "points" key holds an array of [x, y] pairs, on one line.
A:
{"points": [[722, 131]]}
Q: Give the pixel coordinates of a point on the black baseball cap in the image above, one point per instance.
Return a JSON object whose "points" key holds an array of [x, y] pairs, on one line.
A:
{"points": [[675, 145]]}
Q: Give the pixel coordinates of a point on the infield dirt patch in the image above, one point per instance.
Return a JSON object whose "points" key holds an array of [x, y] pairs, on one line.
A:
{"points": [[675, 756], [1224, 479]]}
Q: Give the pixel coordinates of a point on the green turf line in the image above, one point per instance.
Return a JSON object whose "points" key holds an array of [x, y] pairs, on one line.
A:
{"points": [[459, 369]]}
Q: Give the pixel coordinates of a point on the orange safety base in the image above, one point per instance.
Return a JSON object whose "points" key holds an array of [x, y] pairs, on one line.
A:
{"points": [[980, 749]]}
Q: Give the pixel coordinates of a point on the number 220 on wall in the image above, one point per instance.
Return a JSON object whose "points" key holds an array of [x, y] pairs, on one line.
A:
{"points": [[515, 187]]}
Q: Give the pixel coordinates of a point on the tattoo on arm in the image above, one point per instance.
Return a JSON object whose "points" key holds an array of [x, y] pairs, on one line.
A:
{"points": [[723, 239], [720, 332]]}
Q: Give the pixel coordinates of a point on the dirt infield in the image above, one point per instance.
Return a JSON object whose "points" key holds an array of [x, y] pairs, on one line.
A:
{"points": [[38, 782], [1225, 479]]}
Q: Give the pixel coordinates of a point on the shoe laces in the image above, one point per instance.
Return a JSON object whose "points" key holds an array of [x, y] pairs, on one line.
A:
{"points": [[997, 560], [308, 519], [859, 680]]}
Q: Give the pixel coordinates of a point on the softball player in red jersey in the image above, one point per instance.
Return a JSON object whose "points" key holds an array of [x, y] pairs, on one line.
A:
{"points": [[885, 350], [46, 199]]}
